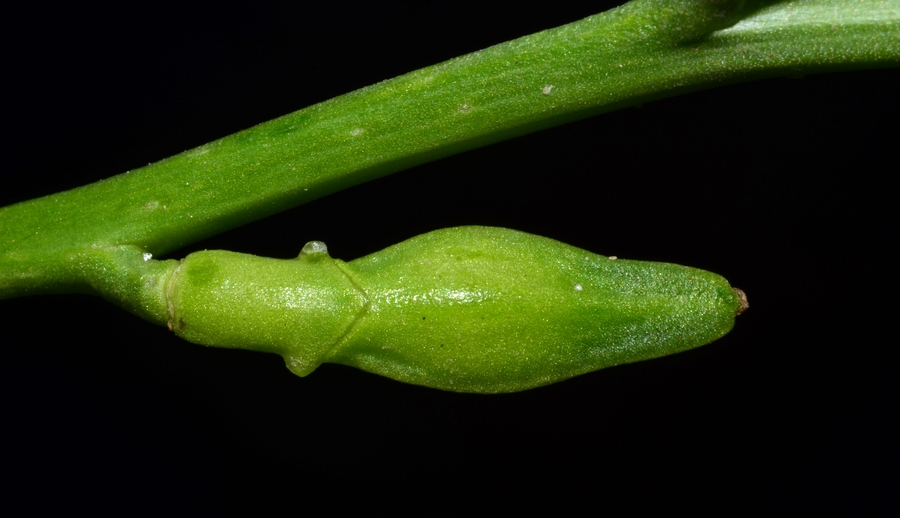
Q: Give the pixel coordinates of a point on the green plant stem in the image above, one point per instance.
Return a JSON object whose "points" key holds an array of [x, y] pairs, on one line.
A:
{"points": [[645, 50]]}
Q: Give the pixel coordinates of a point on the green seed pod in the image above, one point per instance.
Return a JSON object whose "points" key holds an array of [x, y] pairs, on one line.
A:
{"points": [[468, 309]]}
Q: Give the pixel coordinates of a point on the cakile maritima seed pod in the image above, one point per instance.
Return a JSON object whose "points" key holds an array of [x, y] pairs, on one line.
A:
{"points": [[467, 309]]}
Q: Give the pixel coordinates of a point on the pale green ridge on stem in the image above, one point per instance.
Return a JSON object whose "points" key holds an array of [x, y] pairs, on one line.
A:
{"points": [[644, 50], [467, 309]]}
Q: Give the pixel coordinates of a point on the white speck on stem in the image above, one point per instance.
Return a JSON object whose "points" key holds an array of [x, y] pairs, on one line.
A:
{"points": [[357, 132], [578, 287], [147, 256], [612, 258], [547, 89]]}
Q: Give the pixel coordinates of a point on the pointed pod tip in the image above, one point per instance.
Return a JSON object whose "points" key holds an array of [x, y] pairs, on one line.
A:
{"points": [[743, 304]]}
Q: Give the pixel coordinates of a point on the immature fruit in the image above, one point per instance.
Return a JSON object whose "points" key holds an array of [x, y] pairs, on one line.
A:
{"points": [[468, 309]]}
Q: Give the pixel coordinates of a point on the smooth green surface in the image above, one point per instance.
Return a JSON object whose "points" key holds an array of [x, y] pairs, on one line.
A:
{"points": [[644, 50], [480, 309], [468, 309]]}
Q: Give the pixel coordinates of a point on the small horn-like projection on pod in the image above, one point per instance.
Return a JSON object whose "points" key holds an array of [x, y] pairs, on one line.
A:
{"points": [[468, 309]]}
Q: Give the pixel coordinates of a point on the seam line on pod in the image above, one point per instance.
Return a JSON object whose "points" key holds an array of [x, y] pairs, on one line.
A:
{"points": [[359, 315], [170, 292]]}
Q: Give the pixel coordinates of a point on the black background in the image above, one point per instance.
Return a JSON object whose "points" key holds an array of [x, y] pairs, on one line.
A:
{"points": [[781, 186]]}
